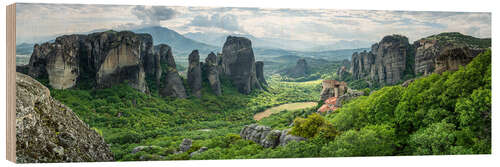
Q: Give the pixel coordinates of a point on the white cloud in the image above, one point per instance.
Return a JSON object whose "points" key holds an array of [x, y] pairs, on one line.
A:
{"points": [[316, 25]]}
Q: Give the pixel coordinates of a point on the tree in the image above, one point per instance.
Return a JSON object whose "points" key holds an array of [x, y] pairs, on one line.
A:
{"points": [[437, 139], [373, 140]]}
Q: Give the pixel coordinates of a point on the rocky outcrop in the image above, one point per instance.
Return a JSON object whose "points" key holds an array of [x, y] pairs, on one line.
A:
{"points": [[347, 97], [63, 62], [450, 59], [148, 56], [194, 74], [392, 58], [57, 61], [259, 69], [211, 72], [105, 58], [48, 131], [201, 150], [238, 64], [267, 137], [407, 82], [141, 148], [342, 73], [333, 88], [385, 64], [300, 69], [172, 84], [432, 51], [185, 145], [116, 58]]}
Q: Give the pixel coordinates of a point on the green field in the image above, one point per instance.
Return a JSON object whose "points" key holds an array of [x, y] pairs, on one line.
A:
{"points": [[289, 106]]}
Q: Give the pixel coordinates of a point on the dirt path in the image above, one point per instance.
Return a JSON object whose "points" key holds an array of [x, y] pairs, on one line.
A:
{"points": [[289, 106]]}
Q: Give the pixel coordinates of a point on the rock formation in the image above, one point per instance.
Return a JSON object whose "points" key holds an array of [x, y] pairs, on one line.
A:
{"points": [[194, 74], [211, 72], [147, 54], [48, 131], [385, 63], [108, 58], [238, 64], [342, 73], [347, 97], [259, 69], [118, 59], [173, 85], [392, 58], [333, 88], [267, 137], [201, 150], [185, 145], [431, 51], [453, 57], [63, 61], [300, 69]]}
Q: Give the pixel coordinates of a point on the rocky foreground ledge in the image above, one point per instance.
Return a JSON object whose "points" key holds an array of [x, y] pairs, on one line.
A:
{"points": [[48, 131]]}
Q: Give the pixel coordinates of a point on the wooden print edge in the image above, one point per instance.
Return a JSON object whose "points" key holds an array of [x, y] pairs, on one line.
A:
{"points": [[11, 79]]}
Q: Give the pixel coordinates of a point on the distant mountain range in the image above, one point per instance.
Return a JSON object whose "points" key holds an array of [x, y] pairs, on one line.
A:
{"points": [[218, 39], [24, 48], [183, 44], [179, 43]]}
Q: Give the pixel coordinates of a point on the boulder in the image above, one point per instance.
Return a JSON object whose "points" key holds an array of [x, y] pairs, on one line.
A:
{"points": [[267, 137], [286, 138], [194, 74], [201, 150], [140, 148], [407, 82], [238, 64], [185, 145], [211, 72], [48, 131]]}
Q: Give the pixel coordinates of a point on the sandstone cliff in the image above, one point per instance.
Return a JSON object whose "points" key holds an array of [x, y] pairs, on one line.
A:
{"points": [[386, 62], [434, 51], [107, 58], [390, 60], [173, 85], [211, 72], [238, 64], [48, 131], [194, 74], [259, 69]]}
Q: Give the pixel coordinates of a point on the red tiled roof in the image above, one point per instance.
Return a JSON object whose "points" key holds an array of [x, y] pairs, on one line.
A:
{"points": [[329, 105]]}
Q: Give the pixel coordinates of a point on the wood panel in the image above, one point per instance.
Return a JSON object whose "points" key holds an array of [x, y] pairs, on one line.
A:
{"points": [[11, 81]]}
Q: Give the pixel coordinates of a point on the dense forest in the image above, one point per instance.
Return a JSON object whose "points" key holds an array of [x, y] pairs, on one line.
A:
{"points": [[453, 108]]}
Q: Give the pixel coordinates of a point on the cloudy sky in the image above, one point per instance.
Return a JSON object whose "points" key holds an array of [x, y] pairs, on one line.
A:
{"points": [[36, 22]]}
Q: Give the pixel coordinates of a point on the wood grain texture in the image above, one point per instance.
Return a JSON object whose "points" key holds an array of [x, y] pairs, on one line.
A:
{"points": [[11, 81]]}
